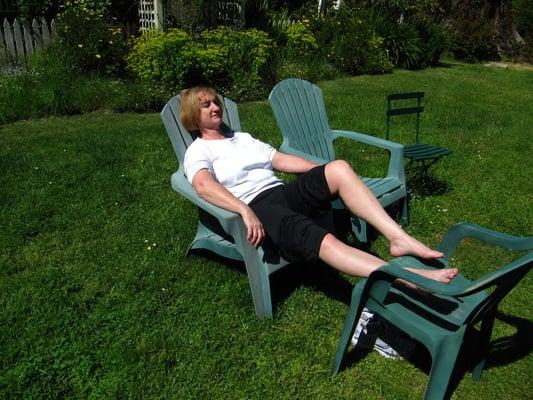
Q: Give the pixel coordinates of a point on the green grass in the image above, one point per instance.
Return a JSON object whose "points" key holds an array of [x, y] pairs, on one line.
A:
{"points": [[98, 300]]}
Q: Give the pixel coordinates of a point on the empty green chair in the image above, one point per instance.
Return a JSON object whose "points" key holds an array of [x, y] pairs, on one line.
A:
{"points": [[219, 230], [441, 314], [300, 112], [421, 156]]}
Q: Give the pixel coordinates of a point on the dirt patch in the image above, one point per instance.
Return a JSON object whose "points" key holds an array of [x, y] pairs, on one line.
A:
{"points": [[527, 67]]}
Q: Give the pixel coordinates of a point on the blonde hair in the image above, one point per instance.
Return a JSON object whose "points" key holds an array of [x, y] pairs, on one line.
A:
{"points": [[190, 103]]}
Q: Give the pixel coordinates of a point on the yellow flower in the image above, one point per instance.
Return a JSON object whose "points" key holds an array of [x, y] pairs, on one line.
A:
{"points": [[80, 45], [98, 56]]}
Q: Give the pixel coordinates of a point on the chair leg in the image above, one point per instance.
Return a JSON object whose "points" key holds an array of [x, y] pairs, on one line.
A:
{"points": [[354, 313], [443, 364], [260, 288], [405, 210], [360, 229], [486, 330]]}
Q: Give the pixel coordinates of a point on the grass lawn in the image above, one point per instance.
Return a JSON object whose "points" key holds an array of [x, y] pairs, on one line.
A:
{"points": [[98, 300]]}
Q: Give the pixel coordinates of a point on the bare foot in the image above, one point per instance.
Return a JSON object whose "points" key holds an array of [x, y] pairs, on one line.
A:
{"points": [[407, 245], [440, 275]]}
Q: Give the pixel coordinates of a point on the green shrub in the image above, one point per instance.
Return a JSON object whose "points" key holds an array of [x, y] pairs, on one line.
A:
{"points": [[473, 40], [350, 44], [400, 38], [298, 53], [410, 43], [435, 42], [165, 57], [236, 62], [523, 11], [248, 60], [87, 36], [49, 87], [300, 40]]}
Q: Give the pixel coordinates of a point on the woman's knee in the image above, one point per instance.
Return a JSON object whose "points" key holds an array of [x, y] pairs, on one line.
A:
{"points": [[340, 166], [338, 171]]}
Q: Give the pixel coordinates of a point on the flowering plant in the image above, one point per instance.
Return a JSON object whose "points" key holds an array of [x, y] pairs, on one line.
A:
{"points": [[88, 36]]}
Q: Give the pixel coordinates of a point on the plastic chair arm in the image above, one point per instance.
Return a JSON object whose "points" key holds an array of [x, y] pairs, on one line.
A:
{"points": [[458, 232], [289, 150], [396, 270], [392, 271], [396, 150], [368, 139]]}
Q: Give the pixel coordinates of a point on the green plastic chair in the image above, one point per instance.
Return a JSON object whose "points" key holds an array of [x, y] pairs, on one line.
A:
{"points": [[421, 156], [300, 112], [219, 230], [440, 317]]}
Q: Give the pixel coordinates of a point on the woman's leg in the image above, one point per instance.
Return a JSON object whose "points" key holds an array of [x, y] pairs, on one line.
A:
{"points": [[343, 181], [355, 262]]}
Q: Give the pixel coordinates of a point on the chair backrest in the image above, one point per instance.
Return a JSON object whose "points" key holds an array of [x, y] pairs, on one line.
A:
{"points": [[299, 109], [180, 137], [418, 109]]}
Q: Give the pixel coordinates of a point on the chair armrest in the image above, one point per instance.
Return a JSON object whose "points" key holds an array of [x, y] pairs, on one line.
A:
{"points": [[396, 167], [392, 271], [290, 150], [457, 287], [458, 232], [368, 139]]}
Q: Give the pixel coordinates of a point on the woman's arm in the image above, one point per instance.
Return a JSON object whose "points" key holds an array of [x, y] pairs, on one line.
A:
{"points": [[210, 190], [290, 163]]}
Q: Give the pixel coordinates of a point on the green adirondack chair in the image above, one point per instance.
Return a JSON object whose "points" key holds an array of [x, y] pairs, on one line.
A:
{"points": [[219, 230], [440, 317], [421, 156], [300, 112]]}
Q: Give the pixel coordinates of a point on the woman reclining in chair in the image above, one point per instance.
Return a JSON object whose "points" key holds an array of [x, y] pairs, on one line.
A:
{"points": [[236, 173]]}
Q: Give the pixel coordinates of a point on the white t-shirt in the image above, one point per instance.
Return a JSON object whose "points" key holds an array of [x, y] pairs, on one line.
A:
{"points": [[241, 164]]}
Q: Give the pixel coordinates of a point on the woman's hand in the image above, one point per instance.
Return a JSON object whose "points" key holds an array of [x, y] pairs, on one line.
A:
{"points": [[255, 231]]}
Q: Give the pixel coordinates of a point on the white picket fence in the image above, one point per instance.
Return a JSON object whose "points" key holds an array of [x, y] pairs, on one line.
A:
{"points": [[18, 41]]}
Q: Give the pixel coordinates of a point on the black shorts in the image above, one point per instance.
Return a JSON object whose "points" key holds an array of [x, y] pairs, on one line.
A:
{"points": [[298, 215]]}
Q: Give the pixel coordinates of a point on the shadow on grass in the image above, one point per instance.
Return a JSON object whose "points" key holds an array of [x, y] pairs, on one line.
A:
{"points": [[503, 351], [427, 185], [317, 276], [285, 281]]}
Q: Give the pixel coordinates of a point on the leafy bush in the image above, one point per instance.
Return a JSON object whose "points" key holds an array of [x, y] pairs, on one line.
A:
{"points": [[29, 9], [523, 10], [410, 43], [248, 60], [298, 54], [473, 40], [350, 44], [88, 37], [236, 62], [165, 57], [300, 40], [50, 87]]}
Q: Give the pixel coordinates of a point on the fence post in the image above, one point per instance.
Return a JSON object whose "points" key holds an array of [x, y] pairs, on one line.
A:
{"points": [[28, 42], [10, 40], [19, 39], [37, 36], [53, 30]]}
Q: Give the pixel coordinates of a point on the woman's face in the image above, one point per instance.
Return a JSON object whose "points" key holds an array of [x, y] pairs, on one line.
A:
{"points": [[210, 116]]}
